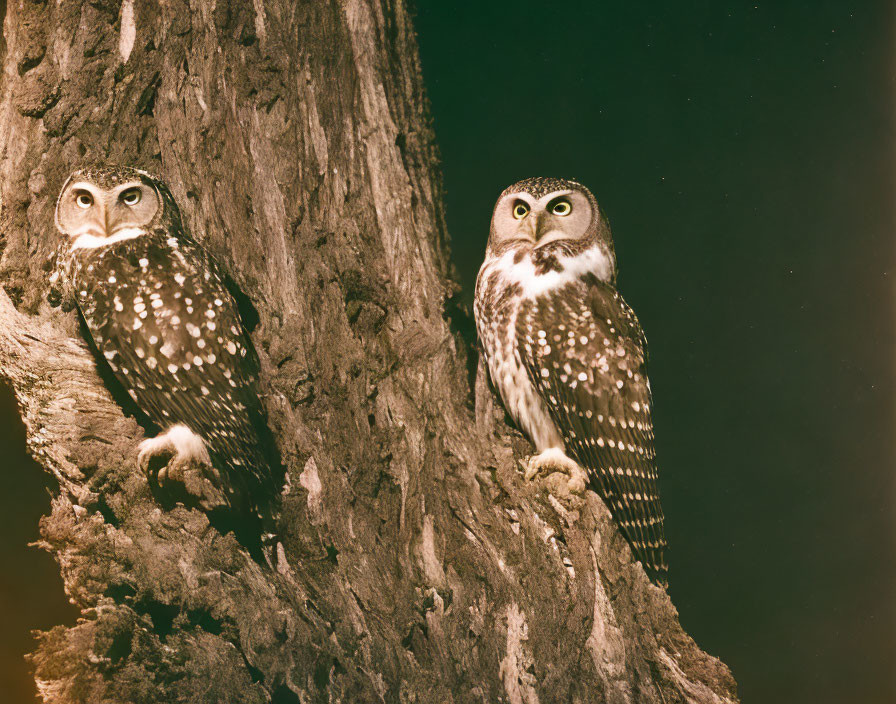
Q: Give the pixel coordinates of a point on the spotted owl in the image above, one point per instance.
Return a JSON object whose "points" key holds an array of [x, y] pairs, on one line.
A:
{"points": [[568, 356], [159, 314]]}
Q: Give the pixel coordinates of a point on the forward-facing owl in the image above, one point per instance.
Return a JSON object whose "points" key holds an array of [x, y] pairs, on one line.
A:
{"points": [[158, 311], [568, 356]]}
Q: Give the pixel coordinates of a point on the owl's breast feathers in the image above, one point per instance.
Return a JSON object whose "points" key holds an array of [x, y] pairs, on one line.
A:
{"points": [[160, 314]]}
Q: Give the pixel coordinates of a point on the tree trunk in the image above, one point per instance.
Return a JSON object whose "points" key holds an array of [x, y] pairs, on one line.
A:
{"points": [[414, 563]]}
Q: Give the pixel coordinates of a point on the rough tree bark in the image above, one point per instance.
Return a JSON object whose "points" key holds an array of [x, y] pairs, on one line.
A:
{"points": [[415, 564]]}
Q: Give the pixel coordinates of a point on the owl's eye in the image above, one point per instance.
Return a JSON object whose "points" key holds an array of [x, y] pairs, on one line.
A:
{"points": [[520, 210], [131, 196], [84, 199], [561, 207]]}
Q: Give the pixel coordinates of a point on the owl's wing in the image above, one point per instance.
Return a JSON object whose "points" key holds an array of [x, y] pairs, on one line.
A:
{"points": [[585, 353]]}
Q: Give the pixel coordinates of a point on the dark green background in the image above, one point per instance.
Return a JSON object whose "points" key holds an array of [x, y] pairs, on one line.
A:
{"points": [[744, 153]]}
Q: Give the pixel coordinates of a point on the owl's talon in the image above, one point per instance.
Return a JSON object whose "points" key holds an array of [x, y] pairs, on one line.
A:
{"points": [[181, 444], [577, 483], [555, 460], [188, 465], [146, 451]]}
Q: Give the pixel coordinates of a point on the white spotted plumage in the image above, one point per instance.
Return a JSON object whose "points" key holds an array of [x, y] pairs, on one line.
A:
{"points": [[568, 356]]}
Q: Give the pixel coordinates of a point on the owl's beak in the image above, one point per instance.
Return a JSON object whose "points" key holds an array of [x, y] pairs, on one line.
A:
{"points": [[113, 221], [98, 224], [539, 226]]}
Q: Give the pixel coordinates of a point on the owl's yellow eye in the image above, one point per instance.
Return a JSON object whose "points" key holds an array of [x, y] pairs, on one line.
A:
{"points": [[131, 196], [84, 199], [561, 207], [520, 210]]}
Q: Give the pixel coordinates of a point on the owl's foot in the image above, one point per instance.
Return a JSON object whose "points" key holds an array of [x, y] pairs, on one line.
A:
{"points": [[180, 444], [555, 460], [178, 456]]}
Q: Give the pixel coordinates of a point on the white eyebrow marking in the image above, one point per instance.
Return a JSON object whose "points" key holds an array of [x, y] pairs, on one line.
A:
{"points": [[84, 186], [554, 194]]}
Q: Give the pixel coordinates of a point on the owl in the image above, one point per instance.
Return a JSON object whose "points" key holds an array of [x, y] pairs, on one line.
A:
{"points": [[158, 312], [568, 356]]}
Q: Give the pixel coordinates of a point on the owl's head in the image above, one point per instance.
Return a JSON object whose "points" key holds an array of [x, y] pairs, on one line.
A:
{"points": [[103, 205], [549, 218]]}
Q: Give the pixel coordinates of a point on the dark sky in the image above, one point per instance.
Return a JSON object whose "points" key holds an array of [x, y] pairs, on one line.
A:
{"points": [[744, 153]]}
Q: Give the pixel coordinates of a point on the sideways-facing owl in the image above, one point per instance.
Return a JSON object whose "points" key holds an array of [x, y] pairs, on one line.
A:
{"points": [[568, 356], [158, 311]]}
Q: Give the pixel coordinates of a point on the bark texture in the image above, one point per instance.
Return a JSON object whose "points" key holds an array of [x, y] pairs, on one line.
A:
{"points": [[414, 563]]}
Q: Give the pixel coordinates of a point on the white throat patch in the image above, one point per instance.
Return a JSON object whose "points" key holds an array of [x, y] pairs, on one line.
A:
{"points": [[88, 241], [592, 261]]}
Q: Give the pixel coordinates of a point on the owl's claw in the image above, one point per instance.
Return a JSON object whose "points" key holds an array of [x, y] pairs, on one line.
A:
{"points": [[188, 465], [151, 448], [183, 447], [178, 442], [555, 460]]}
